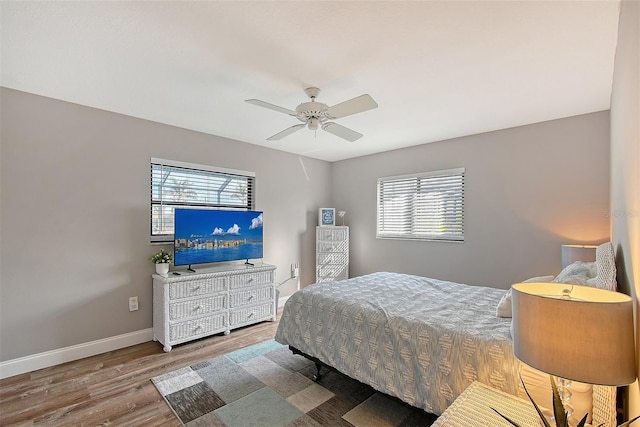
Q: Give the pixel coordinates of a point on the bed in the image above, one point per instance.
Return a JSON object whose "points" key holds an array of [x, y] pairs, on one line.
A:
{"points": [[419, 339]]}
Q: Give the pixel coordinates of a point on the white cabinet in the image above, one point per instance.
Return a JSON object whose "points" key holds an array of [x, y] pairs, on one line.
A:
{"points": [[195, 305], [332, 253]]}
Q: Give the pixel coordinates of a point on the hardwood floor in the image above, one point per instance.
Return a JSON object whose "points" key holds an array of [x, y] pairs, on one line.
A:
{"points": [[114, 388]]}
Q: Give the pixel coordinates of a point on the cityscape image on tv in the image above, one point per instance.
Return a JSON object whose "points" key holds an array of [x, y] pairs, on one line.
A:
{"points": [[207, 236]]}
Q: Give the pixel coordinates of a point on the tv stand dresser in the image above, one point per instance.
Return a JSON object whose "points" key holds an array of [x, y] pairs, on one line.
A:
{"points": [[213, 300]]}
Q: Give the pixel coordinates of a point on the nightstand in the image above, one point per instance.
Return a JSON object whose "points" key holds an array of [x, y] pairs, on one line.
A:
{"points": [[473, 408]]}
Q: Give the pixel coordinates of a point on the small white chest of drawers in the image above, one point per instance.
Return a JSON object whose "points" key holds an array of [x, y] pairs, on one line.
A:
{"points": [[332, 253], [196, 305]]}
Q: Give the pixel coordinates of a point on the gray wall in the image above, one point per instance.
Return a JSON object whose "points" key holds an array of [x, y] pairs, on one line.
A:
{"points": [[75, 217], [625, 166], [527, 191]]}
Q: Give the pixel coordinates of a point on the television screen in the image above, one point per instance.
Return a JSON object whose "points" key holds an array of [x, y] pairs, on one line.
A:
{"points": [[205, 236]]}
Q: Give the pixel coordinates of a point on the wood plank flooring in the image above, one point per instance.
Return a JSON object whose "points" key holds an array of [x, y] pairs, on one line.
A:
{"points": [[114, 388]]}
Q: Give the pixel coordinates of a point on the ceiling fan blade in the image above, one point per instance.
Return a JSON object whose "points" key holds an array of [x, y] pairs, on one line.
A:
{"points": [[341, 131], [271, 106], [286, 132], [352, 106]]}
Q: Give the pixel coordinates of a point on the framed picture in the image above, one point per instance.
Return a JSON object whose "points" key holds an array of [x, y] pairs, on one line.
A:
{"points": [[327, 216]]}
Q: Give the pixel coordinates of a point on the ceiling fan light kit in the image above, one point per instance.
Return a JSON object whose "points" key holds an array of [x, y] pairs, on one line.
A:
{"points": [[313, 123], [316, 115]]}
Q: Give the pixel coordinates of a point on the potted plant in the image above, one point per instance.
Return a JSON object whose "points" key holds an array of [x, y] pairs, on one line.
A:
{"points": [[162, 260], [560, 416]]}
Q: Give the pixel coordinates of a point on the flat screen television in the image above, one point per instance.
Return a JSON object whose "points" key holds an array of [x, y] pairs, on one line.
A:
{"points": [[205, 236]]}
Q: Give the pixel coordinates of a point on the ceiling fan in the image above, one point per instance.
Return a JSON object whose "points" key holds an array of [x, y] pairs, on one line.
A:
{"points": [[316, 114]]}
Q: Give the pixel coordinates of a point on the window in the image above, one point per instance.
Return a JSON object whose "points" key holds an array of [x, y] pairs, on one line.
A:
{"points": [[185, 185], [426, 206]]}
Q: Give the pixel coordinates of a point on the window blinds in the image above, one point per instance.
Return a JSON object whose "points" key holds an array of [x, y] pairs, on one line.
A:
{"points": [[428, 206], [185, 185]]}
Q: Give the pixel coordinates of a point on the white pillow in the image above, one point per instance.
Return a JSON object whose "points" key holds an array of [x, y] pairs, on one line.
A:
{"points": [[578, 273], [601, 274], [578, 279], [587, 270], [504, 306], [539, 279]]}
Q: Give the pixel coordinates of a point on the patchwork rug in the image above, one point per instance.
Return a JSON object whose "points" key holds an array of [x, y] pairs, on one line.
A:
{"points": [[267, 385]]}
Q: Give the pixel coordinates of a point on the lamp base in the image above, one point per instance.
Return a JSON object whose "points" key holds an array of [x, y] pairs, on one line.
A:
{"points": [[564, 390]]}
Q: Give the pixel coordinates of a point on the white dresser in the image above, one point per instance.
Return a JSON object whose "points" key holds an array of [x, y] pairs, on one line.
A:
{"points": [[195, 305], [332, 253]]}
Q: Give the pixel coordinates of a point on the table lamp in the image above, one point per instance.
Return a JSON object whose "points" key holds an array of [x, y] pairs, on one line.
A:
{"points": [[575, 333]]}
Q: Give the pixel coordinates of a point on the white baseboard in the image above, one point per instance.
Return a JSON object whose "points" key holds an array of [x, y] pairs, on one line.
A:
{"points": [[74, 352], [67, 354]]}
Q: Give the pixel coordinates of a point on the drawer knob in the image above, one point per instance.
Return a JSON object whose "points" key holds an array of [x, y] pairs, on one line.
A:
{"points": [[250, 315], [195, 288], [196, 308], [197, 328], [250, 298]]}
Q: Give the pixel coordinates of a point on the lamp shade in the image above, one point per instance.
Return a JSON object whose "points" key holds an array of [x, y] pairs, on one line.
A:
{"points": [[573, 253], [587, 337]]}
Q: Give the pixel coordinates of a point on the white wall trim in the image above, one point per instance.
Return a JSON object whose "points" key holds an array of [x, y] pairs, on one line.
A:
{"points": [[74, 352], [46, 359]]}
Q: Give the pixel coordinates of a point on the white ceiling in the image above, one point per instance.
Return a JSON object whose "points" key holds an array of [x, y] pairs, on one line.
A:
{"points": [[438, 69]]}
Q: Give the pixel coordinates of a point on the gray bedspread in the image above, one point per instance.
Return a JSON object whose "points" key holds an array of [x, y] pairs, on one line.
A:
{"points": [[419, 339]]}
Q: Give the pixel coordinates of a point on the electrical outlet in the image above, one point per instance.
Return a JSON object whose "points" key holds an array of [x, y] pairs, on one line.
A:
{"points": [[295, 271], [133, 303]]}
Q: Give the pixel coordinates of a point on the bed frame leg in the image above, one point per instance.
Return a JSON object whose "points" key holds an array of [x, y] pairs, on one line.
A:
{"points": [[318, 376], [317, 362]]}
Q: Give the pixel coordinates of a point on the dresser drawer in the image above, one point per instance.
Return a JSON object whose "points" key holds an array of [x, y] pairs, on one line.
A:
{"points": [[251, 296], [202, 326], [239, 281], [330, 233], [331, 272], [195, 307], [194, 288], [327, 247], [340, 258], [251, 314]]}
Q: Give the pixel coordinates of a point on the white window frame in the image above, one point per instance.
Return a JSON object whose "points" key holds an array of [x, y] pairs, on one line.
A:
{"points": [[157, 198], [438, 215]]}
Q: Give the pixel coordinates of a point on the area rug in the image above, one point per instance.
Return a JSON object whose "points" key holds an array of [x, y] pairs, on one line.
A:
{"points": [[266, 385]]}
